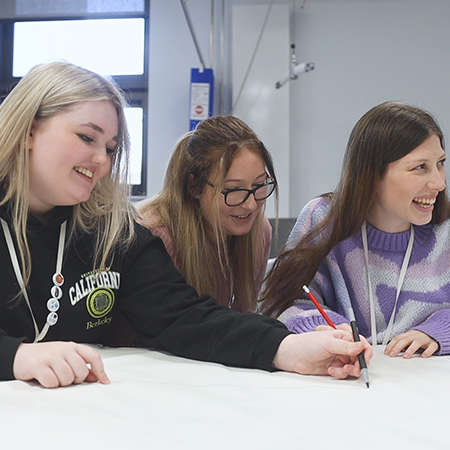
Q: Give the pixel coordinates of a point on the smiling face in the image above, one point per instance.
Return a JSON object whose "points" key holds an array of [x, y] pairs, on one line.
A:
{"points": [[69, 153], [408, 190], [246, 171]]}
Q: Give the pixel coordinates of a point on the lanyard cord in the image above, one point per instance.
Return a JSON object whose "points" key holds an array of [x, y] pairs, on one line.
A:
{"points": [[57, 280], [401, 279]]}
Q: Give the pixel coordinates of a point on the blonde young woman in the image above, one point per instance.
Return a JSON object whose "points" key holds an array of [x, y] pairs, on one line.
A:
{"points": [[73, 258], [210, 213]]}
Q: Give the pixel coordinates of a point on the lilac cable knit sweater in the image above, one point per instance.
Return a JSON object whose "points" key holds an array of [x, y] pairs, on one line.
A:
{"points": [[341, 283]]}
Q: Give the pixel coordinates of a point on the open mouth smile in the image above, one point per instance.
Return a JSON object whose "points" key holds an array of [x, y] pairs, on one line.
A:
{"points": [[86, 172], [425, 203]]}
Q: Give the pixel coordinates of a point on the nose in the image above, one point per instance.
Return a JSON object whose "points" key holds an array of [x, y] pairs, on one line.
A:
{"points": [[250, 203], [100, 156], [437, 181]]}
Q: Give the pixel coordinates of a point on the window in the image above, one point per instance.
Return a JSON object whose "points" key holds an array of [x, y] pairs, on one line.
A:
{"points": [[108, 37], [109, 46]]}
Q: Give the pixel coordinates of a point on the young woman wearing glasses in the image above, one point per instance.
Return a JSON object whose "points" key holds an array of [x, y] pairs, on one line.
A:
{"points": [[210, 213]]}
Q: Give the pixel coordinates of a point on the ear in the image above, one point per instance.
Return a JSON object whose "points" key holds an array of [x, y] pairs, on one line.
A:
{"points": [[30, 136]]}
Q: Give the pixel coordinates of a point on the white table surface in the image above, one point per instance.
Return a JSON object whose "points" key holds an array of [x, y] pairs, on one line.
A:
{"points": [[157, 401]]}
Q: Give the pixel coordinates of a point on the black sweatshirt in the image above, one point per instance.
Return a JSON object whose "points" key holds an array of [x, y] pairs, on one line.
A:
{"points": [[142, 284]]}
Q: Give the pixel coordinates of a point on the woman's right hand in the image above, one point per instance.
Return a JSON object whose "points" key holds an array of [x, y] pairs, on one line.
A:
{"points": [[330, 352], [55, 364], [341, 326]]}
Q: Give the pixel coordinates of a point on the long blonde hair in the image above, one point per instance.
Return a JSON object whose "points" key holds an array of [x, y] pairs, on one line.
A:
{"points": [[49, 89], [212, 146]]}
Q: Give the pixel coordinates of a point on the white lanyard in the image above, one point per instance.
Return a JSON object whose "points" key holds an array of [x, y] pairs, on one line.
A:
{"points": [[401, 279], [58, 280]]}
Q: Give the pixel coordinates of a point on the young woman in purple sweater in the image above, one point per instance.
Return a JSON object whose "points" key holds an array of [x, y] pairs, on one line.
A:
{"points": [[378, 248]]}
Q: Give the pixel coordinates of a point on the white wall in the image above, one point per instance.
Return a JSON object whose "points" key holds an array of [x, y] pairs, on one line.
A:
{"points": [[172, 55], [366, 52]]}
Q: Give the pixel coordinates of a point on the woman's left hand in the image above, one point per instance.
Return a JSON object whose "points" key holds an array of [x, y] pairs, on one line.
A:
{"points": [[410, 342]]}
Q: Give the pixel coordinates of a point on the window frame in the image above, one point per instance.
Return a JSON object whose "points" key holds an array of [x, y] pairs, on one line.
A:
{"points": [[135, 87]]}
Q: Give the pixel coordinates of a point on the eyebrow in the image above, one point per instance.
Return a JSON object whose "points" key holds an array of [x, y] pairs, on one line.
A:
{"points": [[94, 127], [97, 128], [238, 180], [441, 157]]}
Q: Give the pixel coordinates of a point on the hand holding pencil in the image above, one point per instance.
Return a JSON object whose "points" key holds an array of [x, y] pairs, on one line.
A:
{"points": [[330, 352], [353, 327]]}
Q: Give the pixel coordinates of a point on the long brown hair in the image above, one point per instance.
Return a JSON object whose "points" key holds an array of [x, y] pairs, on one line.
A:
{"points": [[384, 134], [212, 146]]}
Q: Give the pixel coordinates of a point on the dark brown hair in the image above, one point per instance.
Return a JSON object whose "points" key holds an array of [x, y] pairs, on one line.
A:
{"points": [[384, 134]]}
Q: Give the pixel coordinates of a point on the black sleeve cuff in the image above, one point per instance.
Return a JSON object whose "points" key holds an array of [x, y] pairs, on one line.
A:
{"points": [[8, 349], [268, 352]]}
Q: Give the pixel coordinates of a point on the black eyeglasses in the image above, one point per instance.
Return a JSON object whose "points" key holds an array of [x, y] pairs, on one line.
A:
{"points": [[238, 196]]}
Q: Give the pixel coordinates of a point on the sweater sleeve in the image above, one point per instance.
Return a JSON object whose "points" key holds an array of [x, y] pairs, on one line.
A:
{"points": [[437, 326], [303, 315], [8, 349], [168, 314]]}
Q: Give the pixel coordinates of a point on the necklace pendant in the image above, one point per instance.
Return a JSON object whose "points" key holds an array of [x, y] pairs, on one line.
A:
{"points": [[58, 279], [56, 292], [53, 304], [52, 318]]}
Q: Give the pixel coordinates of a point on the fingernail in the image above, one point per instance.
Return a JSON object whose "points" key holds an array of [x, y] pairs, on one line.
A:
{"points": [[105, 378]]}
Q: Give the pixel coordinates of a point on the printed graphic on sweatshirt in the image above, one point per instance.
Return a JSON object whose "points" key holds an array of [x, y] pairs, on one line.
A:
{"points": [[100, 302], [92, 281], [97, 287]]}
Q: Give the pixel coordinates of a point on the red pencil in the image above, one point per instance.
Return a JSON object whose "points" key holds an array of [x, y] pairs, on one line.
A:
{"points": [[319, 307]]}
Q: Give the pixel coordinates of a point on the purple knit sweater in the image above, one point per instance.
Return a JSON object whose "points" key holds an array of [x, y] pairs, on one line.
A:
{"points": [[341, 283]]}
